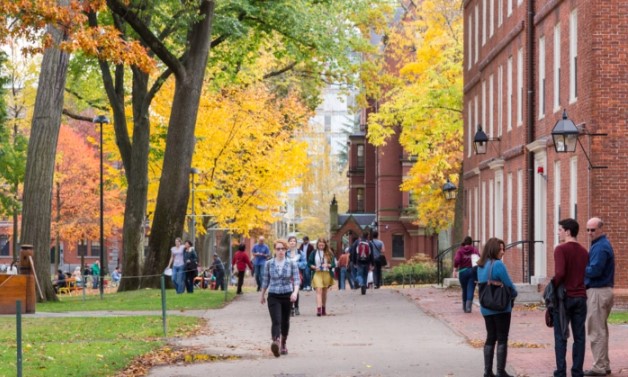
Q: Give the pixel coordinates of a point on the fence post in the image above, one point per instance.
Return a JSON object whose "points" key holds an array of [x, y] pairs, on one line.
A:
{"points": [[18, 338], [163, 303]]}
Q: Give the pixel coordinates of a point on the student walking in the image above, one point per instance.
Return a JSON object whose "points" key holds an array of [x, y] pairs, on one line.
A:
{"points": [[322, 262], [463, 267], [280, 277], [240, 262]]}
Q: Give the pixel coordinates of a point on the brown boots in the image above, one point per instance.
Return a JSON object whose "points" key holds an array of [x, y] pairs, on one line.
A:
{"points": [[284, 350]]}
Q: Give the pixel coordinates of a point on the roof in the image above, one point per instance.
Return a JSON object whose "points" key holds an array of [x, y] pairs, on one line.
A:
{"points": [[363, 219]]}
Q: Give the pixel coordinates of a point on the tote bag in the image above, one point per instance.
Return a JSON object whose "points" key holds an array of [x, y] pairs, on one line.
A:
{"points": [[494, 295]]}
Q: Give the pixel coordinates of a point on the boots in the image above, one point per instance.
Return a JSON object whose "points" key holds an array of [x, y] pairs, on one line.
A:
{"points": [[319, 312], [296, 311], [284, 350], [489, 351], [274, 347], [468, 307], [502, 354], [323, 312], [464, 306]]}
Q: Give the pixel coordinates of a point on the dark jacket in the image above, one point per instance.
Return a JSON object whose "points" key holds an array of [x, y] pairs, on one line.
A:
{"points": [[555, 298], [600, 271]]}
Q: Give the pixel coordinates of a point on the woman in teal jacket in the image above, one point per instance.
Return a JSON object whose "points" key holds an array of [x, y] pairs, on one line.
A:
{"points": [[497, 322]]}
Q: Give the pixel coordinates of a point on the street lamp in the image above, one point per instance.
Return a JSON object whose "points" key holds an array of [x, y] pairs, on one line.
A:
{"points": [[450, 190], [565, 136], [101, 119], [480, 141]]}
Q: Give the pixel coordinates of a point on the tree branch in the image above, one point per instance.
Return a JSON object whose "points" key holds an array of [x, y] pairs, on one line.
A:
{"points": [[74, 116], [280, 71]]}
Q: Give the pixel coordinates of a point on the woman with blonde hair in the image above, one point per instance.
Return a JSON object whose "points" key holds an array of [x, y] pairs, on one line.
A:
{"points": [[322, 262], [280, 276]]}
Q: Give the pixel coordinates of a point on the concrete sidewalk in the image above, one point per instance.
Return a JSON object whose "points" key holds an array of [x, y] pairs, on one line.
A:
{"points": [[531, 350], [382, 333]]}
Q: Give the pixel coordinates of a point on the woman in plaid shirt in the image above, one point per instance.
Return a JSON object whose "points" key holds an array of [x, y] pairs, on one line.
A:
{"points": [[281, 279]]}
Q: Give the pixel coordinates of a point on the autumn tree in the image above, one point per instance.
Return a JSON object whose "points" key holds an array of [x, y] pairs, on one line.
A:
{"points": [[426, 103]]}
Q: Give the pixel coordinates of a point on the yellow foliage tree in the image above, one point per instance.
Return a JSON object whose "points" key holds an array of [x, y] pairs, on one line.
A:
{"points": [[246, 154], [426, 104]]}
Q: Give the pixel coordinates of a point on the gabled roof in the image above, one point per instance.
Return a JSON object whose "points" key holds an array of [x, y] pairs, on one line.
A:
{"points": [[362, 219]]}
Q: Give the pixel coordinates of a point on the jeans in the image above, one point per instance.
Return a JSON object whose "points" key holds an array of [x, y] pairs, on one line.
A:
{"points": [[279, 307], [307, 277], [259, 268], [178, 275], [576, 312], [467, 282], [343, 277], [362, 274], [220, 280], [497, 328], [189, 280]]}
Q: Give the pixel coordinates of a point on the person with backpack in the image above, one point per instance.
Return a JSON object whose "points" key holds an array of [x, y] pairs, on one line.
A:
{"points": [[280, 277], [362, 258], [378, 259], [322, 262]]}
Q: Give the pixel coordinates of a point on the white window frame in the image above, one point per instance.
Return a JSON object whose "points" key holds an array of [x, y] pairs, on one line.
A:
{"points": [[476, 110], [470, 42], [557, 196], [573, 56], [557, 47], [491, 104], [484, 207], [509, 94], [491, 207], [519, 87], [500, 100], [542, 99], [484, 104], [573, 186], [477, 212], [491, 18], [470, 128], [484, 22], [477, 33], [509, 206], [509, 8], [519, 205], [500, 12], [499, 204]]}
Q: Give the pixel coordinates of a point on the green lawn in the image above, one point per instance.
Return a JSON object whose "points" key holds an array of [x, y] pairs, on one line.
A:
{"points": [[146, 299], [99, 346], [618, 317]]}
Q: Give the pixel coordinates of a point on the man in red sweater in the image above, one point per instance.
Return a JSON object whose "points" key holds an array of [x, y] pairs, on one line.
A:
{"points": [[570, 261]]}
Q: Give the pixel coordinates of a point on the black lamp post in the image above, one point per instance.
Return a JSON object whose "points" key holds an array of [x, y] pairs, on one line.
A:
{"points": [[450, 190], [101, 119]]}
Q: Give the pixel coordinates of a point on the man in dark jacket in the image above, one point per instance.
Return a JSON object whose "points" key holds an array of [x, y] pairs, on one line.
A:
{"points": [[599, 279], [570, 260]]}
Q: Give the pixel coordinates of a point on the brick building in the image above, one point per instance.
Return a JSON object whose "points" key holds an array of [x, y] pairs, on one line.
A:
{"points": [[525, 62]]}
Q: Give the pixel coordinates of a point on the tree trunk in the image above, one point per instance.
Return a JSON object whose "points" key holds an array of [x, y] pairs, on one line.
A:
{"points": [[40, 161], [174, 190]]}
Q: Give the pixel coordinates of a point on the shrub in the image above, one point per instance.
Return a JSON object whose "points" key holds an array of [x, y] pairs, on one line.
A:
{"points": [[420, 269]]}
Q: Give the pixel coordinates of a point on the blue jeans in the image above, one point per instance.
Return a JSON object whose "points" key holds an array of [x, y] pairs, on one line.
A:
{"points": [[259, 268], [362, 274], [343, 277], [307, 277], [467, 283], [178, 278], [576, 312]]}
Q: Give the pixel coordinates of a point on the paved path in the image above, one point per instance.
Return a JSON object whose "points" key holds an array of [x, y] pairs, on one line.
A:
{"points": [[380, 334]]}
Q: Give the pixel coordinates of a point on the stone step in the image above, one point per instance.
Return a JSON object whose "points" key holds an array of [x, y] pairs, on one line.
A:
{"points": [[451, 282], [528, 293]]}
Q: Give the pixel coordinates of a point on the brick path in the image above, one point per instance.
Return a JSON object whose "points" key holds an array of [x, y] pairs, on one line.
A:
{"points": [[531, 350]]}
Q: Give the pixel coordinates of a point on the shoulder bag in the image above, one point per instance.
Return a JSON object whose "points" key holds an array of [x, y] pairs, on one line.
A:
{"points": [[494, 295]]}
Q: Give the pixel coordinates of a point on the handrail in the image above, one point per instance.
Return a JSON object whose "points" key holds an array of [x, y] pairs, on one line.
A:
{"points": [[524, 277], [440, 256]]}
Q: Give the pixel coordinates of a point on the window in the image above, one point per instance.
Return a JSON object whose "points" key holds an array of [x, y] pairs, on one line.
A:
{"points": [[476, 202], [541, 77], [573, 56], [470, 129], [470, 42], [491, 209], [360, 200], [500, 12], [491, 19], [509, 207], [499, 204], [81, 248], [491, 104], [556, 200], [476, 111], [500, 100], [398, 246], [483, 205], [94, 251], [469, 212], [483, 22], [519, 204], [360, 154], [327, 123], [477, 33], [509, 94], [484, 104], [509, 9], [520, 87], [557, 46], [4, 245], [573, 187]]}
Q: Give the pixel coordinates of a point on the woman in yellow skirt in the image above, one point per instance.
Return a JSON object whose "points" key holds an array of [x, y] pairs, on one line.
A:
{"points": [[322, 262]]}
